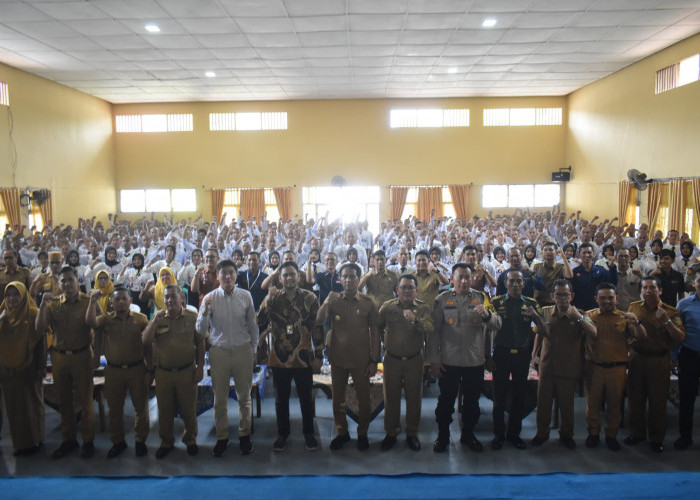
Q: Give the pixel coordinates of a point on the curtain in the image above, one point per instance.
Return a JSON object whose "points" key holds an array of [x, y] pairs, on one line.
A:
{"points": [[654, 204], [398, 201], [252, 203], [695, 183], [10, 200], [676, 205], [429, 199], [217, 203], [46, 208], [283, 196], [460, 200], [623, 200]]}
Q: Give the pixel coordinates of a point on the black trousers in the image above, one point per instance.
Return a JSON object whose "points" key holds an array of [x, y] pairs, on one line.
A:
{"points": [[515, 365], [688, 377], [471, 380], [303, 379]]}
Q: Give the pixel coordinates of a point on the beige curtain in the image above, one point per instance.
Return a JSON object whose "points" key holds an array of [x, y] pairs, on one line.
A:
{"points": [[624, 190], [695, 183], [252, 203], [676, 205], [46, 208], [429, 199], [460, 200], [10, 200], [283, 196], [217, 202], [655, 191], [398, 201]]}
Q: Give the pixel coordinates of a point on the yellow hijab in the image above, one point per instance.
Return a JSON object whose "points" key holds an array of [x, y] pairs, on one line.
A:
{"points": [[160, 287], [17, 334], [106, 290]]}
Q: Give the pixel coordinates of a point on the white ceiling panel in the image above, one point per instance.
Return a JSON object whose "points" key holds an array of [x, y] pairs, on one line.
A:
{"points": [[288, 49]]}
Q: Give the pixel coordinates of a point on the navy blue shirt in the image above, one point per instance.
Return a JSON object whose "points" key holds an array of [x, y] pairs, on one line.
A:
{"points": [[327, 283], [532, 282], [689, 309], [252, 283], [584, 283]]}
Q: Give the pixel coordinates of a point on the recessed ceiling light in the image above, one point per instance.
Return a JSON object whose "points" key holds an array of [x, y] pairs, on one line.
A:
{"points": [[452, 70], [152, 28], [210, 74], [489, 23]]}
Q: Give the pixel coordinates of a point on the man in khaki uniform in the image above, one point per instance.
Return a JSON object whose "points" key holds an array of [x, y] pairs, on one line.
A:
{"points": [[118, 336], [457, 352], [405, 322], [650, 364], [12, 272], [606, 365], [380, 283], [629, 281], [71, 360], [179, 355], [561, 363], [551, 271], [430, 279], [353, 349]]}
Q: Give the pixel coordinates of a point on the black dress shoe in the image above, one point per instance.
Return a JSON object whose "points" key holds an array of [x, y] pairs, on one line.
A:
{"points": [[656, 447], [632, 440], [338, 441], [413, 443], [362, 443], [568, 442], [441, 443], [141, 449], [163, 451], [310, 442], [387, 443], [116, 449], [245, 445], [65, 448], [539, 440], [592, 440], [612, 444], [192, 449], [471, 441], [497, 443], [88, 450], [220, 448], [26, 452], [517, 442], [682, 443], [280, 443]]}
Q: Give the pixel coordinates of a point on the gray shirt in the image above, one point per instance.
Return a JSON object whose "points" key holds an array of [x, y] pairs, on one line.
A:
{"points": [[231, 319]]}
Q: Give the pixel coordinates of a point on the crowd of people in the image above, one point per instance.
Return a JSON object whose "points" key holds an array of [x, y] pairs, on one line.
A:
{"points": [[574, 297]]}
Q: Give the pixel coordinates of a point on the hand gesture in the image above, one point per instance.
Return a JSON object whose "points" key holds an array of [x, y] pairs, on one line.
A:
{"points": [[332, 298], [437, 370], [272, 292], [158, 315], [46, 297], [572, 313], [409, 315], [661, 315], [482, 311], [530, 312], [631, 318], [206, 303], [95, 295]]}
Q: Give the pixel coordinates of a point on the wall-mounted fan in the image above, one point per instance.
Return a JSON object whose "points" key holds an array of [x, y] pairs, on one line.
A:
{"points": [[38, 196], [639, 179]]}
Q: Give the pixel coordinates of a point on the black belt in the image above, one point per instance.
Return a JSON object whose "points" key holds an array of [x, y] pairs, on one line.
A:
{"points": [[610, 365], [650, 354], [71, 351], [175, 370], [127, 365], [402, 358]]}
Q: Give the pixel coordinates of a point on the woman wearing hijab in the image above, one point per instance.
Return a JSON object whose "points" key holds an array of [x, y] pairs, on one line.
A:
{"points": [[111, 264], [73, 260], [155, 292], [22, 369], [104, 285], [133, 277]]}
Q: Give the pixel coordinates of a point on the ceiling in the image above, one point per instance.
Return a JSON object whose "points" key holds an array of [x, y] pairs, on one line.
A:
{"points": [[322, 49]]}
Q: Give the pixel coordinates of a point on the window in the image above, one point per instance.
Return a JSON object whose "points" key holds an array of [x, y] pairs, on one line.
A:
{"points": [[154, 123], [411, 206], [689, 219], [248, 121], [4, 221], [662, 220], [4, 94], [520, 195], [35, 219], [232, 204], [412, 118], [521, 117], [678, 74], [346, 203], [158, 200]]}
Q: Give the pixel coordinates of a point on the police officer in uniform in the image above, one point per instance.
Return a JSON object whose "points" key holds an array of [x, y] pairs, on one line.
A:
{"points": [[457, 353]]}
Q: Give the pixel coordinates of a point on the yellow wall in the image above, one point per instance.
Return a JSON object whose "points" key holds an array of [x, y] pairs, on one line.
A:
{"points": [[64, 142], [351, 138], [618, 123]]}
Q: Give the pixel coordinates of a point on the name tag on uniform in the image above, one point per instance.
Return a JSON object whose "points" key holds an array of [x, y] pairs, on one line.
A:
{"points": [[290, 329], [337, 317]]}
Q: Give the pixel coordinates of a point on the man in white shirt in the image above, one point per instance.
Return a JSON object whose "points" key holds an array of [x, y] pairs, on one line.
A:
{"points": [[228, 314]]}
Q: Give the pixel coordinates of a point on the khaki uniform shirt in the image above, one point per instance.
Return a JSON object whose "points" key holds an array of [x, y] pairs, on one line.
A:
{"points": [[658, 339], [459, 336], [404, 338], [122, 337], [176, 339], [22, 275], [296, 338], [629, 286], [562, 348], [67, 322], [549, 276], [611, 343], [428, 286], [380, 287], [349, 342]]}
